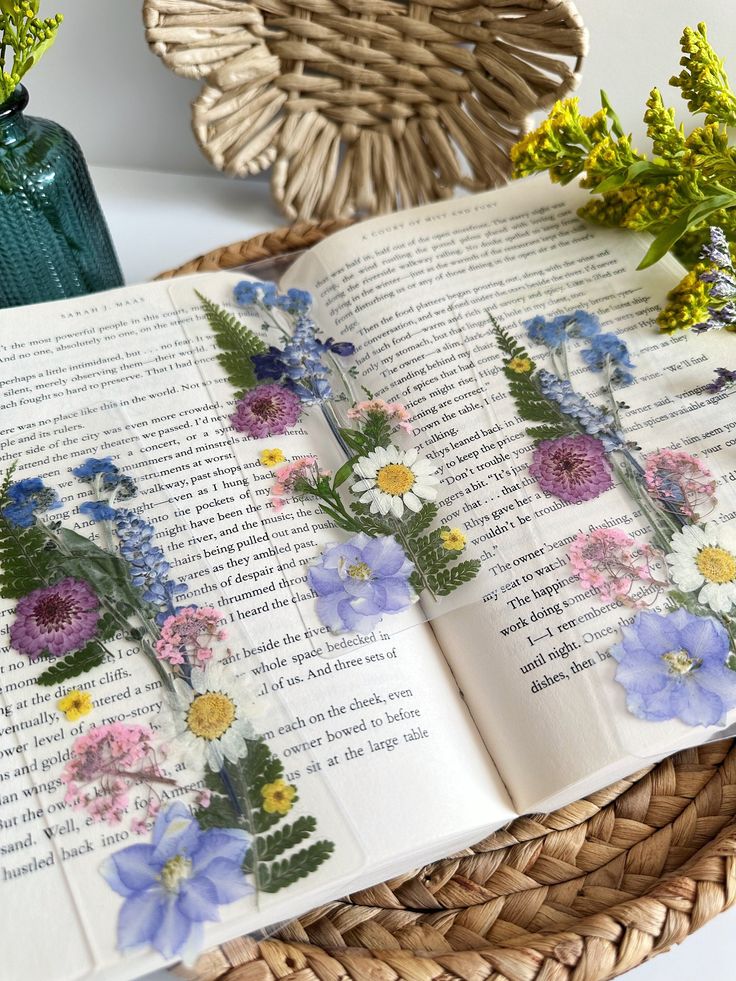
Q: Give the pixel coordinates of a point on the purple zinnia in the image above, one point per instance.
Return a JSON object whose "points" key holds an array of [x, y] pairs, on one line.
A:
{"points": [[573, 468], [55, 619], [266, 410], [356, 583], [673, 666], [176, 883]]}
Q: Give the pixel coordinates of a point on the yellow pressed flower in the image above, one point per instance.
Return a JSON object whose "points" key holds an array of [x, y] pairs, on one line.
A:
{"points": [[519, 365], [271, 458], [278, 797], [75, 704], [687, 304], [453, 539]]}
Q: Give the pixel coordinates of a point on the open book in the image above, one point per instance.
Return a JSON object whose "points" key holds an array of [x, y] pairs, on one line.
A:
{"points": [[449, 719]]}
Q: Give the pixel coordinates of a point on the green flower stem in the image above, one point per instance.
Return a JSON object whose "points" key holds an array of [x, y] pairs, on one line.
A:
{"points": [[406, 544], [344, 378], [331, 418]]}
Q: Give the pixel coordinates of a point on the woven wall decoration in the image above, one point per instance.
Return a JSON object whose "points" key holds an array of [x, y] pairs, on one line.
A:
{"points": [[365, 106]]}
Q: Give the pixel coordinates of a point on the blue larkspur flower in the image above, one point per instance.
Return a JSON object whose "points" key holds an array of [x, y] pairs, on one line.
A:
{"points": [[589, 417], [249, 292], [147, 564], [175, 883], [555, 332], [673, 666], [27, 498], [97, 510], [360, 580], [609, 352]]}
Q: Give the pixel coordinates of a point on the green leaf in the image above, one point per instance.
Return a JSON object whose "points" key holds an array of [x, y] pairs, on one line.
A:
{"points": [[269, 847], [421, 520], [354, 439], [731, 662], [676, 229], [75, 664], [551, 431], [272, 878], [616, 127], [344, 473], [376, 431], [237, 345], [447, 580]]}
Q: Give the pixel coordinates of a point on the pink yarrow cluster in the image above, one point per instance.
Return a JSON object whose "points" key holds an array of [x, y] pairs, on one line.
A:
{"points": [[395, 411], [286, 476], [618, 568], [680, 482], [188, 636], [107, 761]]}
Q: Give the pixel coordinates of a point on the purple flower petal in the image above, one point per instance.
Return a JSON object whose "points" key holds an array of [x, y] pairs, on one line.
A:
{"points": [[695, 706], [384, 555], [229, 844], [140, 918], [229, 881], [173, 930], [198, 899], [130, 870]]}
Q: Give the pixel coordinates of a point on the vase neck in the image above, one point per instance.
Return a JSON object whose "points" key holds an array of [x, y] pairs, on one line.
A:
{"points": [[13, 124]]}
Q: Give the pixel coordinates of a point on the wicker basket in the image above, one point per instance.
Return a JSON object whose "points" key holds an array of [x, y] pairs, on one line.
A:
{"points": [[583, 894], [363, 106]]}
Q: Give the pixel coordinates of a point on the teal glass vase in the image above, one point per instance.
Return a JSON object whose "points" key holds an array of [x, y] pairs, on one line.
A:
{"points": [[54, 242]]}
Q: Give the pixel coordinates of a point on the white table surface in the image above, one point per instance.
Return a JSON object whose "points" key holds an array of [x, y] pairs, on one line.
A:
{"points": [[159, 221]]}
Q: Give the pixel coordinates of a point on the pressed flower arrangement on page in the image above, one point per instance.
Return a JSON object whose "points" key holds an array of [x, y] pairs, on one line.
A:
{"points": [[676, 655], [228, 830], [383, 497]]}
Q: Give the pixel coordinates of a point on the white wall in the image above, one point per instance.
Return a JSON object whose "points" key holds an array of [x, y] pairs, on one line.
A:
{"points": [[127, 109]]}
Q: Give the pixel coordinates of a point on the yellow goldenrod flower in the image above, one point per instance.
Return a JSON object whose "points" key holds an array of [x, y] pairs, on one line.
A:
{"points": [[278, 797], [271, 458], [687, 303], [453, 539], [519, 365], [75, 704]]}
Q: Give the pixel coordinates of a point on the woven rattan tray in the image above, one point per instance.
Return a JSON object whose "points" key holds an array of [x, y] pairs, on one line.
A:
{"points": [[583, 894]]}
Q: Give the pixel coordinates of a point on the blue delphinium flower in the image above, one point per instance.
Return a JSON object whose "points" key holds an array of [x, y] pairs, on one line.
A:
{"points": [[673, 666], [607, 352], [176, 883], [103, 474], [97, 510], [148, 566], [722, 280], [29, 497], [359, 581], [589, 417], [249, 292], [555, 332]]}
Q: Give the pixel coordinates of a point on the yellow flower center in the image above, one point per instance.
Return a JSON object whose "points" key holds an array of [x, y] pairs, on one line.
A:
{"points": [[519, 365], [680, 662], [174, 872], [359, 571], [395, 479], [210, 715], [716, 564]]}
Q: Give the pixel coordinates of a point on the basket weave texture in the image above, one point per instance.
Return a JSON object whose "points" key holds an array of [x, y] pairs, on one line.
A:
{"points": [[364, 106], [583, 894]]}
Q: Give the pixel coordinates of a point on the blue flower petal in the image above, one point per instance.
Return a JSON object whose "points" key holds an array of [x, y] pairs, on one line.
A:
{"points": [[229, 844], [229, 881], [173, 930], [175, 833], [324, 581], [130, 870], [198, 899], [398, 595], [696, 706], [384, 555], [328, 610], [140, 918]]}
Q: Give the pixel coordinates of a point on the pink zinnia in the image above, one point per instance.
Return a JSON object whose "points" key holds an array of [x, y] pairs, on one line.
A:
{"points": [[266, 410], [55, 619], [573, 468]]}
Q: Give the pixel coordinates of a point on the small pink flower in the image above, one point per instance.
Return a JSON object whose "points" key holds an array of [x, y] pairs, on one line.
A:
{"points": [[394, 411], [287, 475], [187, 636], [138, 826], [618, 568], [203, 798], [680, 482]]}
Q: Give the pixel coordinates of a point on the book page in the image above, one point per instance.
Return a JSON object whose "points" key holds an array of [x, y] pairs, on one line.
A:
{"points": [[133, 374], [532, 654]]}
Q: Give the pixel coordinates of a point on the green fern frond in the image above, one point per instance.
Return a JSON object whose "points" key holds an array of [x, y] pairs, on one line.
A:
{"points": [[237, 345], [75, 664], [279, 875]]}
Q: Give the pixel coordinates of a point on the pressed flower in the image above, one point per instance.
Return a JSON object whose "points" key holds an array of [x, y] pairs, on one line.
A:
{"points": [[75, 704], [266, 410], [703, 559], [26, 499], [210, 718], [360, 580], [147, 563], [673, 666], [453, 539], [188, 636], [287, 476], [680, 483], [573, 468], [102, 474], [394, 411], [589, 417], [176, 883], [271, 458], [391, 480], [725, 378], [278, 797], [55, 619], [519, 365], [618, 568]]}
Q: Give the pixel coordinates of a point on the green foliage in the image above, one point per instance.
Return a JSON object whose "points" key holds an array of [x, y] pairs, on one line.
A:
{"points": [[237, 345], [79, 662], [28, 37], [24, 559], [376, 430], [688, 183], [237, 802], [446, 581]]}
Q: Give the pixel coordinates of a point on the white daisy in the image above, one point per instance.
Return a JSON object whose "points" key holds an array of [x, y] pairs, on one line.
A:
{"points": [[394, 479], [704, 558], [209, 721]]}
